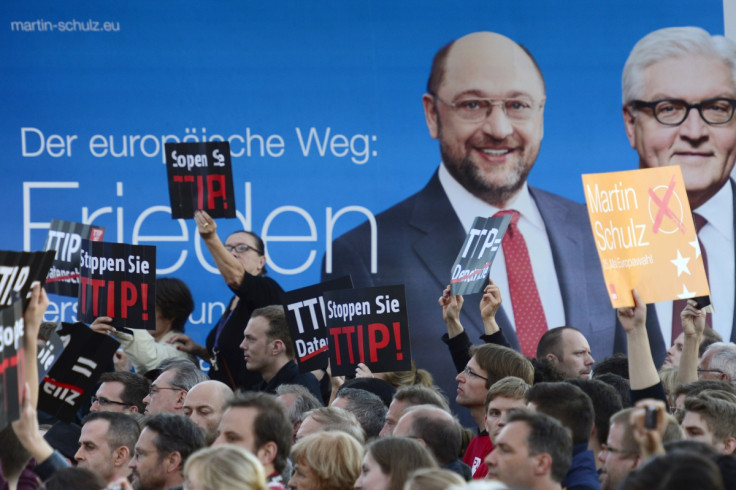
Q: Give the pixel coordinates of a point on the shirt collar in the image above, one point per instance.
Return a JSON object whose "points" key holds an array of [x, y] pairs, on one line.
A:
{"points": [[718, 210], [468, 207]]}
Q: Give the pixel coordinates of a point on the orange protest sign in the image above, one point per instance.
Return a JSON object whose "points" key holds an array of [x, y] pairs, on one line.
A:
{"points": [[644, 233]]}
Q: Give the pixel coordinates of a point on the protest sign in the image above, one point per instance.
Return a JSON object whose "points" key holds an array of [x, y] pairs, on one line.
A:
{"points": [[49, 354], [368, 325], [307, 319], [118, 280], [200, 177], [473, 263], [66, 238], [11, 360], [19, 271], [70, 382], [645, 236]]}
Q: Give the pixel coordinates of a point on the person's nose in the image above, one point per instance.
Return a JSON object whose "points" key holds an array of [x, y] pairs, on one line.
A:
{"points": [[693, 128], [497, 123]]}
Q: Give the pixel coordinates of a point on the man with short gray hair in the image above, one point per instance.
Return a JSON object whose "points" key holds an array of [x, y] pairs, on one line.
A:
{"points": [[367, 408], [679, 96], [169, 390], [719, 362]]}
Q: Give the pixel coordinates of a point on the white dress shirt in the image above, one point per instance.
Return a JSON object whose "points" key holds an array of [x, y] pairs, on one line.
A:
{"points": [[467, 207], [716, 238]]}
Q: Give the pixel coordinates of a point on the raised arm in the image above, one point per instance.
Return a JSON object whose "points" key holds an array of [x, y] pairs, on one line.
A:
{"points": [[642, 371], [232, 270], [32, 318], [693, 324], [451, 307], [489, 305]]}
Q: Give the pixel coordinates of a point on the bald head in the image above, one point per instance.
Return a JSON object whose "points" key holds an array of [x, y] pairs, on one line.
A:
{"points": [[204, 405], [486, 53]]}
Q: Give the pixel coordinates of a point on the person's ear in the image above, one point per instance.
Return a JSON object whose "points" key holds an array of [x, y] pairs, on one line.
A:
{"points": [[729, 445], [543, 464], [431, 115], [629, 114], [172, 462], [121, 456], [267, 453], [278, 347]]}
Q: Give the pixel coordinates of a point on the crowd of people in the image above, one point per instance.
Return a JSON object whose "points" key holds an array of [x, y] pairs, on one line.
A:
{"points": [[529, 407]]}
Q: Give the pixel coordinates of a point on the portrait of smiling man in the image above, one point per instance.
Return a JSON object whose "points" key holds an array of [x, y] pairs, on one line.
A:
{"points": [[679, 95], [485, 103]]}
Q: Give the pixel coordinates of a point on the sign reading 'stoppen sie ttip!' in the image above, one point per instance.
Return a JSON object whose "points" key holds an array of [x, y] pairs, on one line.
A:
{"points": [[307, 318], [66, 238], [370, 326], [118, 280], [473, 263], [200, 177], [645, 236]]}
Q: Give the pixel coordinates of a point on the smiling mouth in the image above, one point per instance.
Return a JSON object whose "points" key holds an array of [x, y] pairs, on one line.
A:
{"points": [[495, 152]]}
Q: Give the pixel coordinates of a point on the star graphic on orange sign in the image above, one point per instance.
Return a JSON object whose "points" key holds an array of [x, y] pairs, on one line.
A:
{"points": [[681, 263]]}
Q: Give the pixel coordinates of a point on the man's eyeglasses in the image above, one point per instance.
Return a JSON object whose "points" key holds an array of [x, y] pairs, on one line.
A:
{"points": [[672, 112], [241, 248], [156, 389], [102, 401], [470, 372], [478, 109]]}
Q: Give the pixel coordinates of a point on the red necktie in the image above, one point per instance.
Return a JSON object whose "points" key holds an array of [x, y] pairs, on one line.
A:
{"points": [[528, 313], [680, 304]]}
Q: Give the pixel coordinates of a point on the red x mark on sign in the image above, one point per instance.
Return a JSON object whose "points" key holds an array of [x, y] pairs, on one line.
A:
{"points": [[664, 209]]}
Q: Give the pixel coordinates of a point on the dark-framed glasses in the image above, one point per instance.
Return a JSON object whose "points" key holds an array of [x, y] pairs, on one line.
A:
{"points": [[102, 401], [241, 248], [476, 109], [672, 112]]}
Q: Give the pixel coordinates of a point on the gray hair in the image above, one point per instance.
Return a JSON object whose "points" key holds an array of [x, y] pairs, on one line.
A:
{"points": [[673, 42], [367, 407], [187, 374], [334, 418], [723, 359], [304, 401]]}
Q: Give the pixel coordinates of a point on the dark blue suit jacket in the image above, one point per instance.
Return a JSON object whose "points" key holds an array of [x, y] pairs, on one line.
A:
{"points": [[418, 241]]}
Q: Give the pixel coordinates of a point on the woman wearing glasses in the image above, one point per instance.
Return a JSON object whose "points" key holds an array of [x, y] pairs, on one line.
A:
{"points": [[242, 264]]}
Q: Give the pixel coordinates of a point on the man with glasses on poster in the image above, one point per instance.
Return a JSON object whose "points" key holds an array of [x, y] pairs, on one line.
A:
{"points": [[485, 104], [679, 96]]}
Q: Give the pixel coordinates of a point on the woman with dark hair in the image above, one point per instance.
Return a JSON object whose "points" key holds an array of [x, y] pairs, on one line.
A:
{"points": [[241, 261], [389, 461]]}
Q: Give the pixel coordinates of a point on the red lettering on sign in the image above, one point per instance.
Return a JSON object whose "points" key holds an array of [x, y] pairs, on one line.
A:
{"points": [[374, 345]]}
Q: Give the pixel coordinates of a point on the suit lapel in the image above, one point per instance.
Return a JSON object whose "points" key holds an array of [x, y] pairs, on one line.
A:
{"points": [[440, 236], [566, 246]]}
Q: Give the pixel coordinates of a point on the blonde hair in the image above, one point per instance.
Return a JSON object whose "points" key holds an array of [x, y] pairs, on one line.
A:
{"points": [[408, 378], [335, 457], [226, 467], [433, 479]]}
